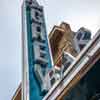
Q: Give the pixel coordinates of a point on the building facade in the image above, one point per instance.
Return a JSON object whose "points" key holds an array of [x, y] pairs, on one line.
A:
{"points": [[87, 86], [80, 81], [62, 38], [65, 46]]}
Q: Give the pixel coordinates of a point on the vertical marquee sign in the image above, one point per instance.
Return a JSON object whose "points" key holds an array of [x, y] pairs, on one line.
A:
{"points": [[36, 53]]}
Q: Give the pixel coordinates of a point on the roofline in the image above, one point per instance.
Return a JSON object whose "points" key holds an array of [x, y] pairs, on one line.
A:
{"points": [[17, 91], [53, 30]]}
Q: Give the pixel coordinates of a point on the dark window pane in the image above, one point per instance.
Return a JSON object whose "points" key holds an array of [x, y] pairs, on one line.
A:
{"points": [[87, 36], [81, 46], [53, 81], [66, 65], [79, 36]]}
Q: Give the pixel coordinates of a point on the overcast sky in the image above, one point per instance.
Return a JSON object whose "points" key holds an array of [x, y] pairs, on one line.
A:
{"points": [[77, 13]]}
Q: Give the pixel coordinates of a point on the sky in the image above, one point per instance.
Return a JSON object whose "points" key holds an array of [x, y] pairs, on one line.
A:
{"points": [[77, 13]]}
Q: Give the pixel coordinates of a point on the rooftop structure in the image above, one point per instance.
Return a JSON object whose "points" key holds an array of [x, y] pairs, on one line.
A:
{"points": [[61, 39]]}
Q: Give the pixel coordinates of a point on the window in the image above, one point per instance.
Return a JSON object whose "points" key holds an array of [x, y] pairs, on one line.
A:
{"points": [[64, 60], [79, 36], [53, 81], [81, 46], [87, 36], [66, 65]]}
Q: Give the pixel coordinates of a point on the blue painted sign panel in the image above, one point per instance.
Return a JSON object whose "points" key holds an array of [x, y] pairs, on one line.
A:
{"points": [[39, 58]]}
